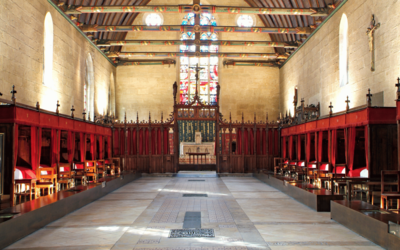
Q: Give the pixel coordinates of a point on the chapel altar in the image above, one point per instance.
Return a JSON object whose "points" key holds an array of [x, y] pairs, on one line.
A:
{"points": [[197, 146]]}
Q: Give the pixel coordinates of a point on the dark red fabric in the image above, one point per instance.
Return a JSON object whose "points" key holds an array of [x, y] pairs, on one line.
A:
{"points": [[141, 132], [284, 147], [298, 147], [366, 146], [122, 142], [166, 140], [276, 138], [134, 142], [334, 147], [101, 147], [70, 145], [270, 142], [34, 148], [259, 144], [109, 147], [159, 146], [129, 142], [320, 141], [53, 143], [239, 142], [308, 147], [39, 145], [153, 141], [116, 142], [83, 146], [352, 146], [92, 146], [146, 141], [264, 142], [291, 147], [246, 142], [251, 141]]}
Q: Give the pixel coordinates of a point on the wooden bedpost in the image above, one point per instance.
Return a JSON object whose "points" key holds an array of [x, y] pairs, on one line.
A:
{"points": [[230, 143]]}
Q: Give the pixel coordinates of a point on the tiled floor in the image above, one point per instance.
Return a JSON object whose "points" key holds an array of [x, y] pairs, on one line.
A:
{"points": [[244, 213]]}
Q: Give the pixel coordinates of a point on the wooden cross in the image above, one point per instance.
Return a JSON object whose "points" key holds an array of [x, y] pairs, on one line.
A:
{"points": [[330, 109], [369, 100], [58, 105], [197, 69], [370, 33], [347, 103], [84, 114], [398, 88], [37, 105], [72, 111], [13, 92]]}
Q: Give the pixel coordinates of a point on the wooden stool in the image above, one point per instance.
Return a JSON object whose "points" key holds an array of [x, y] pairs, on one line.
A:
{"points": [[25, 188]]}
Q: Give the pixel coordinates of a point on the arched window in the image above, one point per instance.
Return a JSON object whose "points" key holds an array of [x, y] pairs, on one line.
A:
{"points": [[153, 19], [209, 73], [111, 96], [48, 50], [89, 88], [246, 21], [343, 51]]}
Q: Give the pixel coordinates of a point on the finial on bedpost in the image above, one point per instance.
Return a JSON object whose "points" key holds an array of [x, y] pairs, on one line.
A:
{"points": [[37, 106], [72, 111], [242, 118], [125, 117], [161, 117], [347, 104], [330, 109], [267, 117], [175, 89], [398, 88], [137, 117], [149, 117], [13, 92], [369, 100], [57, 109], [230, 117], [255, 117], [84, 114]]}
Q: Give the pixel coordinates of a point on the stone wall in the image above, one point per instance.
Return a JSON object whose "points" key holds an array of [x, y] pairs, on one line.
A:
{"points": [[21, 59], [245, 89], [314, 69]]}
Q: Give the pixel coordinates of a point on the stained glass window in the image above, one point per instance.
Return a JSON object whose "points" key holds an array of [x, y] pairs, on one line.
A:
{"points": [[208, 75], [154, 19], [245, 21]]}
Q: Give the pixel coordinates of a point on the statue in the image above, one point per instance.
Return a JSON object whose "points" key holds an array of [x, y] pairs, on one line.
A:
{"points": [[370, 32]]}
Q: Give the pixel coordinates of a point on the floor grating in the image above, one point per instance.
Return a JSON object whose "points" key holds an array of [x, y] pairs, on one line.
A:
{"points": [[191, 233], [194, 195]]}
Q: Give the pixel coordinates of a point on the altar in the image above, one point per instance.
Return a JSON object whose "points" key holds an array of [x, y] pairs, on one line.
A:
{"points": [[196, 147]]}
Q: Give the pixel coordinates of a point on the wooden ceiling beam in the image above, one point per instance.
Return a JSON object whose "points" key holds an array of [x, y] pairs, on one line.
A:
{"points": [[77, 10], [272, 64], [197, 29]]}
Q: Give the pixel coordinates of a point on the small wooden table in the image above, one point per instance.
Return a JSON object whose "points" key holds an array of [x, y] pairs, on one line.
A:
{"points": [[201, 157]]}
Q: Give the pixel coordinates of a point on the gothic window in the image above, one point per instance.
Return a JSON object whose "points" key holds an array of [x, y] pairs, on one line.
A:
{"points": [[48, 50], [153, 19], [343, 51], [111, 96], [208, 76], [245, 21], [89, 88]]}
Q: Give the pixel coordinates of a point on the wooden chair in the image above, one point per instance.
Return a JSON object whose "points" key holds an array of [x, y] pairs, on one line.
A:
{"points": [[65, 176], [390, 195], [49, 174], [45, 180], [25, 188], [78, 169], [117, 164], [91, 170], [277, 164], [110, 167]]}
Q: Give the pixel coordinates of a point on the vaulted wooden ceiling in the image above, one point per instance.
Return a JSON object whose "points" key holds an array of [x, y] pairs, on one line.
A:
{"points": [[270, 21]]}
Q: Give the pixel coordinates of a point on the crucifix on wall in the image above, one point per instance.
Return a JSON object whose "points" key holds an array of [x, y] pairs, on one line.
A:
{"points": [[371, 32]]}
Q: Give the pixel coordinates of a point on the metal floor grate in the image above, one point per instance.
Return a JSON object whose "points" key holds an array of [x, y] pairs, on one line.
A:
{"points": [[191, 233], [194, 195], [196, 180]]}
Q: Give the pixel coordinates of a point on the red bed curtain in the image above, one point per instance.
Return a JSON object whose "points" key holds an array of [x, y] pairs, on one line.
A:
{"points": [[101, 146], [276, 138], [264, 142], [320, 141], [334, 147], [284, 147], [53, 159], [15, 145], [291, 147], [259, 142], [141, 141], [109, 147], [146, 141], [166, 140], [122, 142], [134, 142], [153, 141], [366, 146], [39, 153], [116, 142], [270, 142], [70, 145], [246, 142], [239, 142], [34, 148], [308, 147], [83, 146], [92, 146], [129, 142], [159, 146], [251, 141], [298, 147], [352, 146]]}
